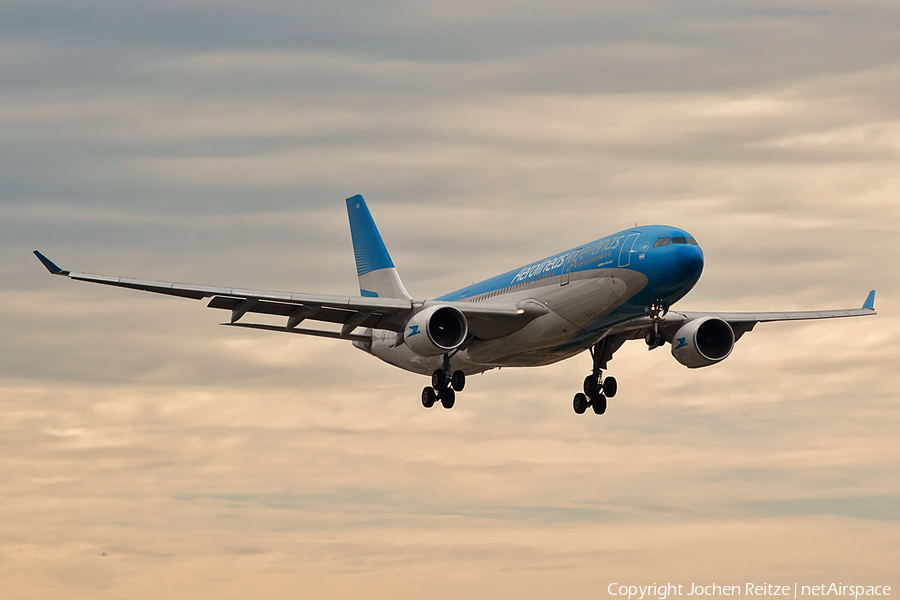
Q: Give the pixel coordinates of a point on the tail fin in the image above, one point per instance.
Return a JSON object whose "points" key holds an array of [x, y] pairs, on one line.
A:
{"points": [[377, 275]]}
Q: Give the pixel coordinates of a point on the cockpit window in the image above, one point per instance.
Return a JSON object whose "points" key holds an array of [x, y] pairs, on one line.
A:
{"points": [[665, 241]]}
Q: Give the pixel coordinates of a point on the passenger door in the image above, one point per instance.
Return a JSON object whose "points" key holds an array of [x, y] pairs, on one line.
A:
{"points": [[625, 252], [567, 267]]}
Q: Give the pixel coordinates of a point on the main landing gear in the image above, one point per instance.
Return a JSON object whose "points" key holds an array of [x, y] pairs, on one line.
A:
{"points": [[596, 389], [596, 392], [444, 386]]}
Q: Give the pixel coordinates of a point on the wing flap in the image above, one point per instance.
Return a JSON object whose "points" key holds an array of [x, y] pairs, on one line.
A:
{"points": [[313, 332], [296, 313]]}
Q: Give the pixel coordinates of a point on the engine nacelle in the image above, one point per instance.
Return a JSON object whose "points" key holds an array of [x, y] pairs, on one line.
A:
{"points": [[703, 342], [436, 330]]}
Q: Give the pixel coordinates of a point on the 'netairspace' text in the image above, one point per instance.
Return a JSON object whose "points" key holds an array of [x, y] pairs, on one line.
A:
{"points": [[638, 592]]}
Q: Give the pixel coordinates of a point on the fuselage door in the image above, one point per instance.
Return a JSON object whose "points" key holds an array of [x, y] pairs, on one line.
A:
{"points": [[567, 267], [625, 252]]}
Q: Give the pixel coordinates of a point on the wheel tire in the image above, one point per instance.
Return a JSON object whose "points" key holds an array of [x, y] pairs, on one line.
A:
{"points": [[580, 403], [590, 386], [447, 397], [439, 379], [428, 397], [599, 404], [458, 380], [610, 387], [650, 338]]}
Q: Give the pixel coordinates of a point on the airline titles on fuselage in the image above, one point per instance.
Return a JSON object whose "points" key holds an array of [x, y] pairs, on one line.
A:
{"points": [[556, 262]]}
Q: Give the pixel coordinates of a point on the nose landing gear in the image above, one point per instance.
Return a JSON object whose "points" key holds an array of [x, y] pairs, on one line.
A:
{"points": [[656, 338]]}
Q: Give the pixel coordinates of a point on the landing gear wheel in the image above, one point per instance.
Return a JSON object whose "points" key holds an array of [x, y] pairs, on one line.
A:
{"points": [[655, 339], [447, 397], [591, 386], [610, 387], [439, 379], [580, 403], [599, 404], [458, 380], [428, 397]]}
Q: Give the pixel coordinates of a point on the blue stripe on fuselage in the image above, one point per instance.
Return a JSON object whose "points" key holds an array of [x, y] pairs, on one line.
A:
{"points": [[669, 275]]}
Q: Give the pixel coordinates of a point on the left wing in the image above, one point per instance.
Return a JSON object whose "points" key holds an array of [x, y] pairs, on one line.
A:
{"points": [[486, 321], [740, 322]]}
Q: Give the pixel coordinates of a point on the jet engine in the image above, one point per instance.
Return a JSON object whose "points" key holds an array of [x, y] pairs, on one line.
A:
{"points": [[436, 330], [703, 342]]}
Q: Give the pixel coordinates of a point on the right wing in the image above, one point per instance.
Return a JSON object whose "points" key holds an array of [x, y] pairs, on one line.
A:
{"points": [[486, 321]]}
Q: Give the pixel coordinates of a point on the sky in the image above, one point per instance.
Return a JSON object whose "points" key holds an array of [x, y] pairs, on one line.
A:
{"points": [[148, 452]]}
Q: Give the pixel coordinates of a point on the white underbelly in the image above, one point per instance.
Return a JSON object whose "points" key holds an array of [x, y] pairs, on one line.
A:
{"points": [[547, 339]]}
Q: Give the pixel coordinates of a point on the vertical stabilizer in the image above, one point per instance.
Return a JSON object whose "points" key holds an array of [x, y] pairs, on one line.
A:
{"points": [[377, 275]]}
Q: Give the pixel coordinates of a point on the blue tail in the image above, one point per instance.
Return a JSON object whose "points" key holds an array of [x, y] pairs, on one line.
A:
{"points": [[371, 253], [377, 275]]}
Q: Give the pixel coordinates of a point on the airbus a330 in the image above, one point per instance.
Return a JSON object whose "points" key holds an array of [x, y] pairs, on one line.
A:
{"points": [[593, 297]]}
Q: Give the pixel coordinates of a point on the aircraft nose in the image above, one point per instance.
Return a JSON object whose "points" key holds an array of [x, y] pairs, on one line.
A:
{"points": [[690, 260]]}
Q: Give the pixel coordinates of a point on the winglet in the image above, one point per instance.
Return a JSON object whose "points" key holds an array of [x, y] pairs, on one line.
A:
{"points": [[51, 266], [870, 301]]}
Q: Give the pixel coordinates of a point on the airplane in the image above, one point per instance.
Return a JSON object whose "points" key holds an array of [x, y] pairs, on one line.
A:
{"points": [[595, 297]]}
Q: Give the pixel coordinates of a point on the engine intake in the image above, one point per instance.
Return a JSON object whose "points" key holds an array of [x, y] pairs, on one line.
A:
{"points": [[703, 342], [436, 330]]}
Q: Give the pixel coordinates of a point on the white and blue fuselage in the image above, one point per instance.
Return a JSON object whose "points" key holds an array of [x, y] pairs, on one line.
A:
{"points": [[586, 290]]}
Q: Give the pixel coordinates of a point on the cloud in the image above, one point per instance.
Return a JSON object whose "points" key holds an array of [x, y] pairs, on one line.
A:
{"points": [[214, 144]]}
